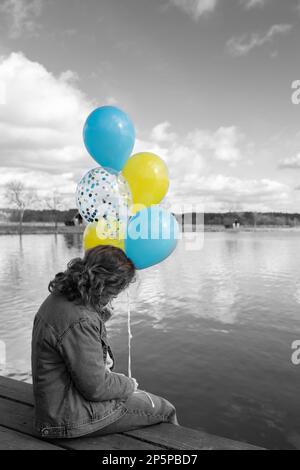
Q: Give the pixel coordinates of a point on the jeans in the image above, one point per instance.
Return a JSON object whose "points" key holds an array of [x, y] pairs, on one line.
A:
{"points": [[142, 409]]}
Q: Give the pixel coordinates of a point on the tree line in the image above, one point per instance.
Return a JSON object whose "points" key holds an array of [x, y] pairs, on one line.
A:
{"points": [[20, 199], [248, 219], [244, 218]]}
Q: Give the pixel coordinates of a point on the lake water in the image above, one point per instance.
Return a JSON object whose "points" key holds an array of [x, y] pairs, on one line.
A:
{"points": [[212, 329]]}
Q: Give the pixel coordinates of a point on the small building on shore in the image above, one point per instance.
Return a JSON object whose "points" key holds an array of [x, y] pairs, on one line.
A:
{"points": [[232, 222], [75, 221]]}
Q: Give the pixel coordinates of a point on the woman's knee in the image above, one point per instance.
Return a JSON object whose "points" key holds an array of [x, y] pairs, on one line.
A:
{"points": [[170, 413], [166, 410], [152, 404]]}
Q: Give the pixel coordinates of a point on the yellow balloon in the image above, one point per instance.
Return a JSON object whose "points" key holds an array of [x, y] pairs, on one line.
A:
{"points": [[103, 233], [136, 208], [148, 178]]}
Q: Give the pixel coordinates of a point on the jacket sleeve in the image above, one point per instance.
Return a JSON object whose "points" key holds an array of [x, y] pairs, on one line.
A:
{"points": [[81, 349]]}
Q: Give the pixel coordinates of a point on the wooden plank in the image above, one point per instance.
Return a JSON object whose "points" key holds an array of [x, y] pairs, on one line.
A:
{"points": [[19, 417], [16, 390], [110, 442], [164, 435], [12, 440], [178, 437]]}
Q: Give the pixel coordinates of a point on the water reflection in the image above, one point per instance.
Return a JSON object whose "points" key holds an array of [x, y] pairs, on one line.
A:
{"points": [[212, 327], [232, 246], [73, 240]]}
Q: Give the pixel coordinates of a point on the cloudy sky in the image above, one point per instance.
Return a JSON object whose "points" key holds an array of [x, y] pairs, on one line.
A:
{"points": [[206, 82]]}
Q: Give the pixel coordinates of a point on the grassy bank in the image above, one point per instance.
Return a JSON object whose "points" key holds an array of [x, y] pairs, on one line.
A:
{"points": [[250, 228], [38, 228], [47, 228]]}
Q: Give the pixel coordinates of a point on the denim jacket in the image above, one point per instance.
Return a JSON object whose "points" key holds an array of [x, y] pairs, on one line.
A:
{"points": [[74, 393]]}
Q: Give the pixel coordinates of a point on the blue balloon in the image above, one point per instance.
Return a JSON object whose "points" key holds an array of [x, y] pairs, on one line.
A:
{"points": [[151, 236], [109, 137]]}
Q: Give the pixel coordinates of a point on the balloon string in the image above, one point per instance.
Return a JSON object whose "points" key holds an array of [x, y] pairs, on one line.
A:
{"points": [[129, 334], [129, 348]]}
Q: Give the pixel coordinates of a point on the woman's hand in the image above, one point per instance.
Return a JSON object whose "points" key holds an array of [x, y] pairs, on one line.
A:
{"points": [[135, 384]]}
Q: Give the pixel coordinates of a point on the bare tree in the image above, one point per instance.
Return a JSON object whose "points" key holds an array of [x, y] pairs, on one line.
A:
{"points": [[20, 197], [54, 204], [235, 207]]}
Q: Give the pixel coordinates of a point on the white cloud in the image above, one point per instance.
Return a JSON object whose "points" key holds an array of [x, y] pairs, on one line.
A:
{"points": [[111, 100], [217, 191], [249, 4], [42, 118], [41, 144], [22, 15], [41, 125], [290, 162], [193, 181], [195, 152], [195, 8], [242, 45], [160, 133], [224, 142]]}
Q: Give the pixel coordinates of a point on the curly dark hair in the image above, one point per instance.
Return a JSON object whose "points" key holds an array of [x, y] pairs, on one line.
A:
{"points": [[96, 279]]}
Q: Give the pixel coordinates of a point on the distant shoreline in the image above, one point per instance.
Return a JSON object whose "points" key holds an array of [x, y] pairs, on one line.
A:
{"points": [[39, 229], [46, 229]]}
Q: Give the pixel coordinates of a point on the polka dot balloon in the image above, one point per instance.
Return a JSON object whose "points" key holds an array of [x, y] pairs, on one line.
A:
{"points": [[103, 193]]}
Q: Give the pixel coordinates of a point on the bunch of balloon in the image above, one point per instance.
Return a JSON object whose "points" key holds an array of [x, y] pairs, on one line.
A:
{"points": [[119, 199], [103, 196]]}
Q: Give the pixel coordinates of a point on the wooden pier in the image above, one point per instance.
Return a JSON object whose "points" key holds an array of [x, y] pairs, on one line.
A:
{"points": [[17, 433]]}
